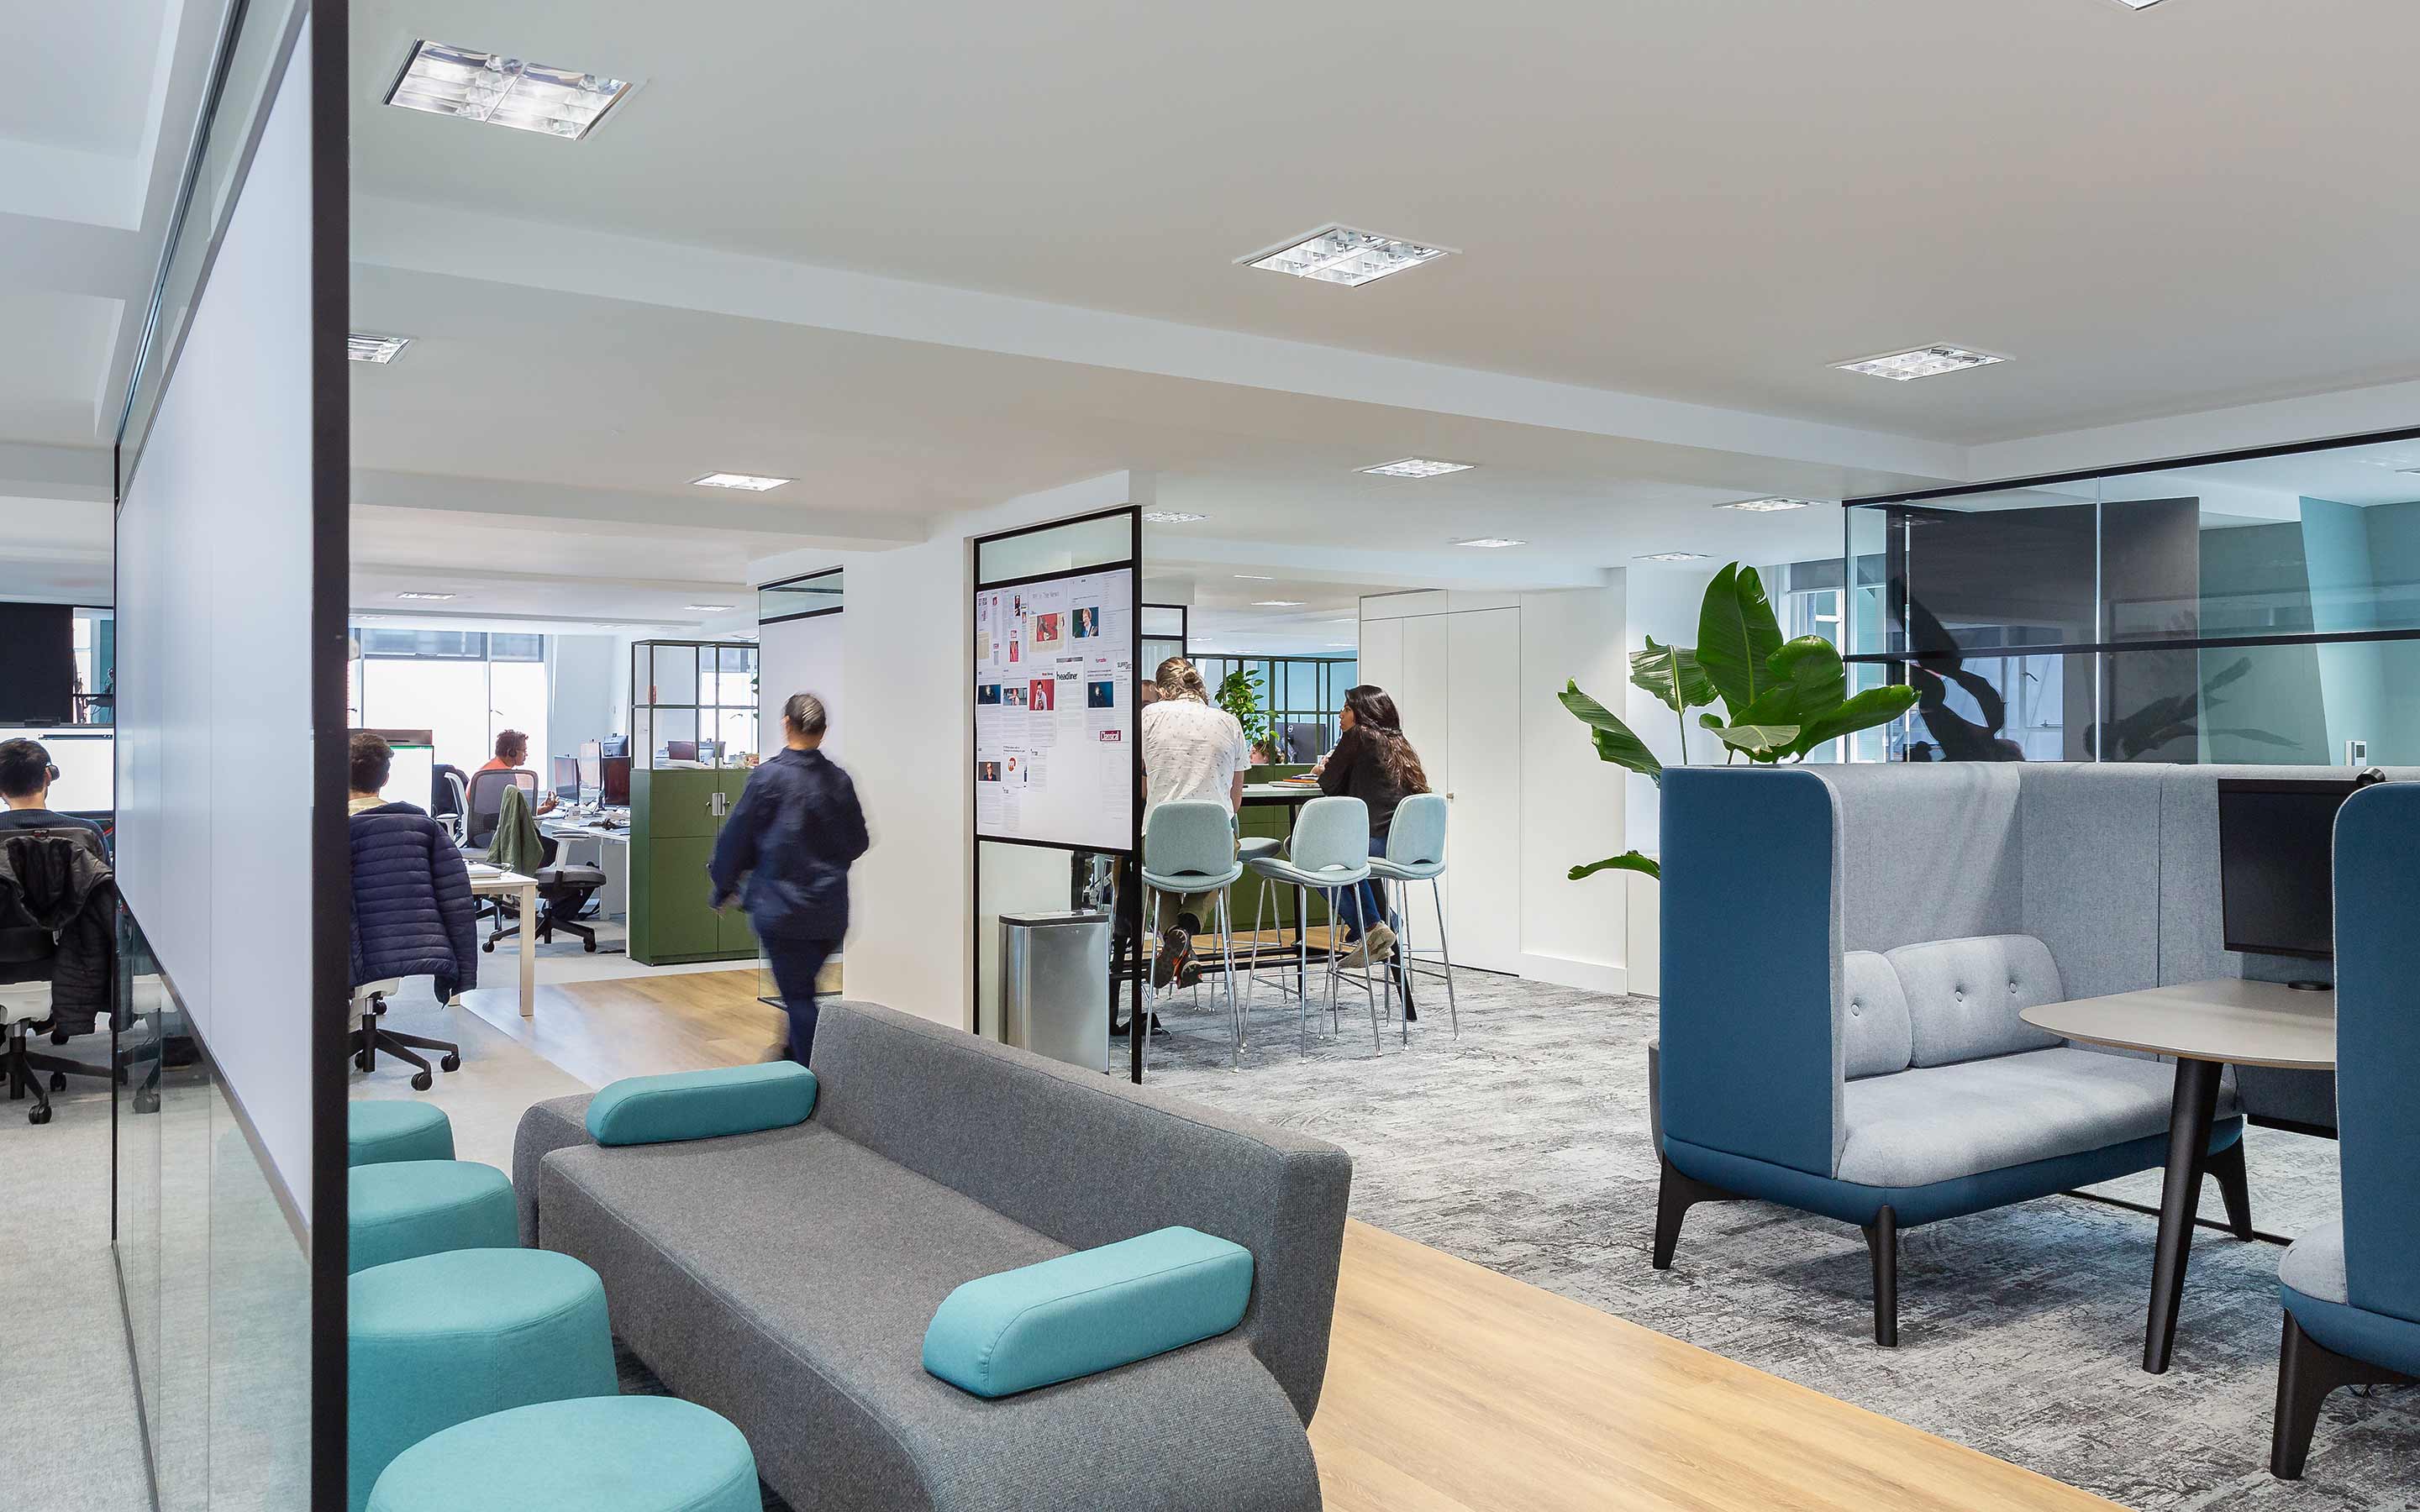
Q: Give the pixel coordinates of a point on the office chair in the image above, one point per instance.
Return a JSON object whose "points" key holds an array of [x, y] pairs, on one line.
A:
{"points": [[485, 799], [29, 953], [451, 801], [562, 891], [369, 1037]]}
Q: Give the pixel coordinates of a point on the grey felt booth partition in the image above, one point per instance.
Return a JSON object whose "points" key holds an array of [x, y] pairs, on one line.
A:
{"points": [[784, 1278], [1846, 949]]}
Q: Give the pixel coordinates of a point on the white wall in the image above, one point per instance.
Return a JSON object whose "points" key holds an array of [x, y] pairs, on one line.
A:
{"points": [[585, 699], [1661, 601], [802, 657], [906, 643], [214, 667]]}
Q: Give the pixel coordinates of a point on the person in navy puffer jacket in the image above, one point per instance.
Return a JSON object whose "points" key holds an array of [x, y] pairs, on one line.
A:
{"points": [[413, 913]]}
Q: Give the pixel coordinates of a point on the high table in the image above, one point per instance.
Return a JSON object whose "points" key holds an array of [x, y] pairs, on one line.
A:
{"points": [[488, 882], [1289, 796], [2207, 1026]]}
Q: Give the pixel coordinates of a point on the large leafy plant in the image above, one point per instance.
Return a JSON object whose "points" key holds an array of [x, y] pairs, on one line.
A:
{"points": [[1781, 698], [1239, 694]]}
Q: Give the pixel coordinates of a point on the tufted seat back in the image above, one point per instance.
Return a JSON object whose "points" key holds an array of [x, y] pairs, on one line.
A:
{"points": [[1962, 996]]}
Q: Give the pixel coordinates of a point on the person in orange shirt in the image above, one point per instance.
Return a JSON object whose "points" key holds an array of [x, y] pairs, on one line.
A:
{"points": [[512, 754]]}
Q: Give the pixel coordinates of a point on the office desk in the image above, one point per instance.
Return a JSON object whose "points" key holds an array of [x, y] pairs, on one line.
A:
{"points": [[1288, 793], [2207, 1026], [488, 882]]}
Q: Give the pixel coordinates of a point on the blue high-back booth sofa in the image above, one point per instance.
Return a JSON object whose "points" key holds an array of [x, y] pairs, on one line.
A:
{"points": [[1846, 950], [2351, 1288]]}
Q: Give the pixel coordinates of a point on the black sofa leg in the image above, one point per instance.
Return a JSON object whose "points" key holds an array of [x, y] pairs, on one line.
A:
{"points": [[1882, 1242], [2306, 1372], [2234, 1189], [1675, 1195]]}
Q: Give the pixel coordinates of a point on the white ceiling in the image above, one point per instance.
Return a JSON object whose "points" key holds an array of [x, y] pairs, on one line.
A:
{"points": [[2151, 212]]}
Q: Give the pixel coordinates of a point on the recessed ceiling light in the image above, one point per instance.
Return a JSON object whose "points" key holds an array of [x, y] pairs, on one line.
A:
{"points": [[1277, 603], [1170, 517], [1255, 578], [2138, 4], [1416, 467], [360, 346], [710, 609], [1768, 506], [1341, 254], [1920, 362], [1491, 543], [432, 598], [748, 481], [444, 80], [1673, 556]]}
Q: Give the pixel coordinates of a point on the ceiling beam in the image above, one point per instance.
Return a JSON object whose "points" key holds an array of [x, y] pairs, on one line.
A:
{"points": [[503, 501]]}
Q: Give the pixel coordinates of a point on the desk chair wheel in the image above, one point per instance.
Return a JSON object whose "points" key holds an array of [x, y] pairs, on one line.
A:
{"points": [[145, 1101], [421, 1080], [490, 947], [449, 1062], [41, 1115], [58, 1081]]}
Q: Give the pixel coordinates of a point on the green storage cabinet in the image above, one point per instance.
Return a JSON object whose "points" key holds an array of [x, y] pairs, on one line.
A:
{"points": [[676, 814]]}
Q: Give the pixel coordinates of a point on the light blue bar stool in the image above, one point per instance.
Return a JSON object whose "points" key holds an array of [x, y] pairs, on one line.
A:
{"points": [[1416, 852], [1188, 845], [1329, 853]]}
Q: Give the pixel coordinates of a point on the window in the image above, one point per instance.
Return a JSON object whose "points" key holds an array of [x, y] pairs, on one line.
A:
{"points": [[465, 686], [1292, 689]]}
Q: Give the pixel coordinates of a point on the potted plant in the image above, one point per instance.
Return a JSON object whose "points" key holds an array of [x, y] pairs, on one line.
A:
{"points": [[1239, 694], [1781, 698]]}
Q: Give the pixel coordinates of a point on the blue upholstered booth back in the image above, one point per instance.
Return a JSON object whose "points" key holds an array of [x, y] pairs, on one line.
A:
{"points": [[2378, 1045], [1752, 1059]]}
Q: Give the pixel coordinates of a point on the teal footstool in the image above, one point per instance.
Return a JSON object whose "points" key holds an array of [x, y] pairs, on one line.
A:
{"points": [[441, 1339], [401, 1208], [382, 1130], [606, 1454]]}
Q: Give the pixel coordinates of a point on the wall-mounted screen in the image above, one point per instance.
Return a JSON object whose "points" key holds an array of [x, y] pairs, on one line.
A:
{"points": [[36, 663], [87, 763], [1054, 691]]}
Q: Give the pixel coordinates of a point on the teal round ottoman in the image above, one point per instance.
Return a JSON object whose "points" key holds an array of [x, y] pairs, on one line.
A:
{"points": [[606, 1454], [441, 1339], [383, 1130], [401, 1208]]}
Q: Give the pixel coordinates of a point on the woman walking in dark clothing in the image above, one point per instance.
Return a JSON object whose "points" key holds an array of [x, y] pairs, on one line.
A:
{"points": [[785, 852], [1374, 763]]}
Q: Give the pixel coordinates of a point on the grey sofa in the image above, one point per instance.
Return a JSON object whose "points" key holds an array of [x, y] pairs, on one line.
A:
{"points": [[784, 1278], [1846, 950]]}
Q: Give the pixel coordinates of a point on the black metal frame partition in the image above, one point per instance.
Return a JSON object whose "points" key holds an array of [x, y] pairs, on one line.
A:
{"points": [[1898, 506], [1130, 886], [793, 582]]}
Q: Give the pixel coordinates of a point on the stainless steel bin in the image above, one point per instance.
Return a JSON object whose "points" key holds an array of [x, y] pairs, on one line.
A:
{"points": [[1054, 985]]}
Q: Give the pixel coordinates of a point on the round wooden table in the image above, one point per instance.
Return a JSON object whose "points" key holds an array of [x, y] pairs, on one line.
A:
{"points": [[2206, 1026]]}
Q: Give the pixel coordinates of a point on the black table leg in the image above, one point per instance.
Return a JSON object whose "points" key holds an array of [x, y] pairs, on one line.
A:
{"points": [[2189, 1119]]}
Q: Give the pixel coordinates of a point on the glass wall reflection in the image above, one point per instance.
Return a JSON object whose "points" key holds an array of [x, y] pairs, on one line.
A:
{"points": [[216, 1278], [2264, 611]]}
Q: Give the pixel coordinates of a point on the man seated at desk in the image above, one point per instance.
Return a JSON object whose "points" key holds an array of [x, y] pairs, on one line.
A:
{"points": [[512, 755], [25, 777]]}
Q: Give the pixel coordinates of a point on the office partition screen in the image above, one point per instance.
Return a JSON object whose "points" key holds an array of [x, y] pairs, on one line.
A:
{"points": [[1054, 696]]}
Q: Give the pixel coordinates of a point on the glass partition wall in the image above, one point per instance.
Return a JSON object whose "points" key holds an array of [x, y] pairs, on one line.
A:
{"points": [[2260, 608], [692, 701]]}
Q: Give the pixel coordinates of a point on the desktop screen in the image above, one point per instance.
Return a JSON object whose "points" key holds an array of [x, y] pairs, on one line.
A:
{"points": [[2275, 848], [566, 776], [590, 765], [87, 780], [413, 777], [680, 751]]}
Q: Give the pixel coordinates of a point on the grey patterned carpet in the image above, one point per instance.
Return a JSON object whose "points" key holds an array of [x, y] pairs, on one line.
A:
{"points": [[1523, 1146]]}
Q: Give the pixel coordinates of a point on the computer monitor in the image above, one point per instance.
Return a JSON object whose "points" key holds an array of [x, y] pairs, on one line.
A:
{"points": [[589, 770], [414, 777], [87, 763], [2277, 841], [680, 751], [614, 745], [618, 781], [567, 777], [1304, 743]]}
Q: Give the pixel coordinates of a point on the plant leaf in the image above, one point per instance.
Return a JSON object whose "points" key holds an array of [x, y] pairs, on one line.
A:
{"points": [[1627, 861], [1737, 635], [1762, 741], [1672, 674], [1614, 741], [1875, 705], [1810, 669]]}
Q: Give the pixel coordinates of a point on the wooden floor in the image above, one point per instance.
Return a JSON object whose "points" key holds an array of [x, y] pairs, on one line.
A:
{"points": [[1450, 1388]]}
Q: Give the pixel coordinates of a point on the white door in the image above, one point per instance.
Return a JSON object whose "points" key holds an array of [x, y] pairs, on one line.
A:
{"points": [[1481, 744], [1382, 654]]}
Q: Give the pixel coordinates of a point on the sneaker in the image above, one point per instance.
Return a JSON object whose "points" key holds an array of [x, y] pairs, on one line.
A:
{"points": [[1373, 947], [1174, 961]]}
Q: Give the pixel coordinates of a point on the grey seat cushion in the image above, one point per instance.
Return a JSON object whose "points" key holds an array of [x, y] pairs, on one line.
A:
{"points": [[1936, 1123], [786, 1279], [1963, 995], [1874, 1023], [2314, 1264]]}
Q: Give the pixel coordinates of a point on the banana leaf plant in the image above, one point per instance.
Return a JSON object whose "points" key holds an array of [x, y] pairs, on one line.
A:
{"points": [[1781, 698]]}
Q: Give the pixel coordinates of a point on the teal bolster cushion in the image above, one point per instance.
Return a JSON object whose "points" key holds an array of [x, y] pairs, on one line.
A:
{"points": [[1091, 1311], [382, 1131], [702, 1105]]}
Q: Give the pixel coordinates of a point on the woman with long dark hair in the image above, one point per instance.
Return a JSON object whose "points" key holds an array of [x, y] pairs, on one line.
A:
{"points": [[1374, 763]]}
